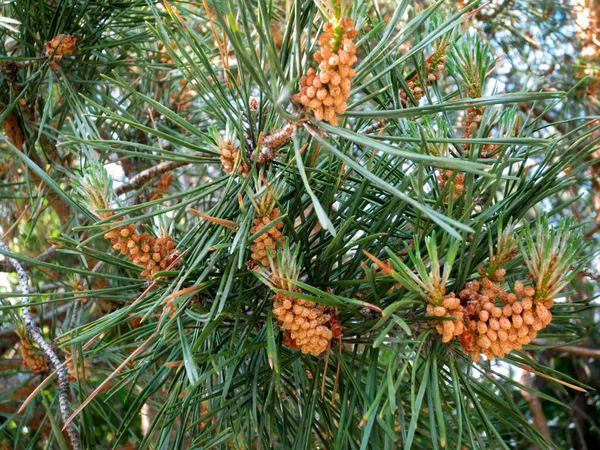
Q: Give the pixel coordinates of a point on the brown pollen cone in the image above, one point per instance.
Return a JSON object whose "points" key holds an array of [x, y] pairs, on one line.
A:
{"points": [[324, 93], [59, 46], [13, 130], [81, 372], [266, 152]]}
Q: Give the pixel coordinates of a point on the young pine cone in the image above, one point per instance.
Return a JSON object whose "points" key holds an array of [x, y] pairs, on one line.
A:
{"points": [[31, 359], [450, 306], [304, 323], [325, 93]]}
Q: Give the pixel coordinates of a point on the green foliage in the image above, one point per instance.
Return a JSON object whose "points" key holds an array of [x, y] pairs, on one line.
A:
{"points": [[196, 352], [469, 61]]}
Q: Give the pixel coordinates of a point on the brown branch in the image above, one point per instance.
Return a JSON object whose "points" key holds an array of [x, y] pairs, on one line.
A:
{"points": [[43, 257], [593, 229], [591, 275], [535, 406], [570, 349], [147, 175]]}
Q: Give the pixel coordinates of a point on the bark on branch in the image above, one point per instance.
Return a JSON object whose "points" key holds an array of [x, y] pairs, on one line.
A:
{"points": [[147, 175], [43, 257], [36, 335]]}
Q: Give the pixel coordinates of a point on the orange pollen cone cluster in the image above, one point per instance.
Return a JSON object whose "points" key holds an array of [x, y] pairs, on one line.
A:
{"points": [[181, 98], [77, 288], [472, 121], [325, 92], [458, 181], [305, 323], [161, 185], [498, 322], [434, 64], [152, 253]]}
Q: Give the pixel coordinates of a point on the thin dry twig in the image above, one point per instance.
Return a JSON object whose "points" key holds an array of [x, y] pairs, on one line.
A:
{"points": [[105, 382], [35, 334]]}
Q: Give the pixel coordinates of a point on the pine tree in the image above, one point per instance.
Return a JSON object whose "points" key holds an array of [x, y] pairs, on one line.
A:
{"points": [[308, 224]]}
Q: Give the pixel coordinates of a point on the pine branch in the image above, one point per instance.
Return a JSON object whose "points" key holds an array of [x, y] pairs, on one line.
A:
{"points": [[147, 175], [593, 230], [10, 332], [35, 333], [43, 257], [582, 352], [221, 334]]}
